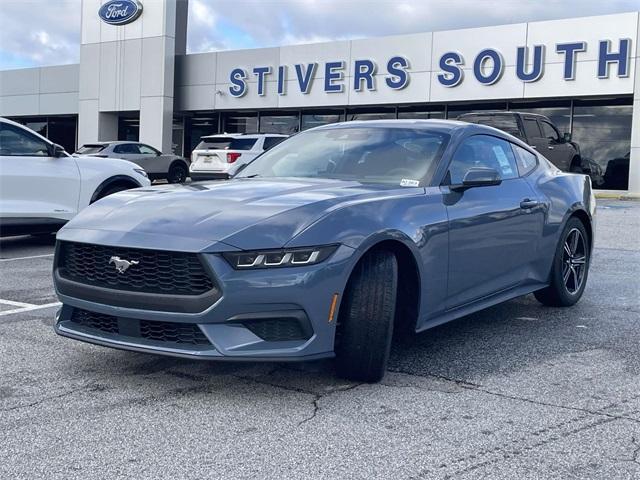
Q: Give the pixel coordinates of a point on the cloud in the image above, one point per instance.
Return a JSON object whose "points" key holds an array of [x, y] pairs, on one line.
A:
{"points": [[43, 32]]}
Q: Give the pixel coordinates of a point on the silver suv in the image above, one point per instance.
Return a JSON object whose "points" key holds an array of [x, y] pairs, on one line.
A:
{"points": [[158, 166]]}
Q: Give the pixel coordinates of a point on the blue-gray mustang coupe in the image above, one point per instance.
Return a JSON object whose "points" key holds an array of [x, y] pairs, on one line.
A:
{"points": [[325, 245]]}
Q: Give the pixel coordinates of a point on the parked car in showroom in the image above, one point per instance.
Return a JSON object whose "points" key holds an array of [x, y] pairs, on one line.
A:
{"points": [[327, 244], [158, 166], [220, 156], [42, 186], [538, 132]]}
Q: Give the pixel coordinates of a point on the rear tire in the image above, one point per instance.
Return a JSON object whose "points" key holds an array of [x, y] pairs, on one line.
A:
{"points": [[177, 174], [365, 323], [570, 267]]}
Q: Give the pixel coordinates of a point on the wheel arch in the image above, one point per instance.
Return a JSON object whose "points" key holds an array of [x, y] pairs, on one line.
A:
{"points": [[111, 182], [584, 217], [178, 161], [409, 293]]}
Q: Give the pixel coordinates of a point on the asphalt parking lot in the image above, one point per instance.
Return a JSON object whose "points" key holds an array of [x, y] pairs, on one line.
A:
{"points": [[515, 391]]}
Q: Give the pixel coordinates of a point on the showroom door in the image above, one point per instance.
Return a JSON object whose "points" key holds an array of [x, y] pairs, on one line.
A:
{"points": [[34, 184], [493, 236]]}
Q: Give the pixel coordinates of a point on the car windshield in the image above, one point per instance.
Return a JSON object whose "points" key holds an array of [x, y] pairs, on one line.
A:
{"points": [[90, 149], [368, 154]]}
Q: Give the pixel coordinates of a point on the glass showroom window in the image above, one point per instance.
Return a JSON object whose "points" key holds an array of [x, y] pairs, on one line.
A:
{"points": [[241, 123], [316, 118], [129, 127], [559, 112], [375, 113], [62, 130], [602, 129], [273, 122], [199, 125], [455, 110], [420, 112]]}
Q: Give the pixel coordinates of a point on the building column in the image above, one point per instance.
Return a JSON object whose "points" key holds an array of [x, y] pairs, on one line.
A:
{"points": [[634, 160], [156, 122]]}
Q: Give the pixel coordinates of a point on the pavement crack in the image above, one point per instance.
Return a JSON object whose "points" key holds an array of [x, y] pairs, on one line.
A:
{"points": [[479, 388], [91, 387]]}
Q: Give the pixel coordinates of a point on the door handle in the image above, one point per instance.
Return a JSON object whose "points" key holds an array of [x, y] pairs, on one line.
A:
{"points": [[528, 203], [550, 147]]}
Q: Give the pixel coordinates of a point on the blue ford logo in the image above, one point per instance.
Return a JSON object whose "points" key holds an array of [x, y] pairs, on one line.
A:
{"points": [[120, 12]]}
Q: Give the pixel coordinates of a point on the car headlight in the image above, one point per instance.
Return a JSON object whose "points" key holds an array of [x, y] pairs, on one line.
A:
{"points": [[141, 172], [288, 257]]}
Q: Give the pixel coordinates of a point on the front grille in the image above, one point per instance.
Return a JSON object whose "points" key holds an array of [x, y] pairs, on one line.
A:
{"points": [[157, 271], [173, 332], [165, 332], [277, 329]]}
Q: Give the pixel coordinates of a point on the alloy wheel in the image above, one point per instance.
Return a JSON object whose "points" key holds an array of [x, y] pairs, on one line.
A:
{"points": [[574, 261]]}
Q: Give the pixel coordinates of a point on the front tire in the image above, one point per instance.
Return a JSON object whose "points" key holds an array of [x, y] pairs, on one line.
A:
{"points": [[365, 323], [570, 267]]}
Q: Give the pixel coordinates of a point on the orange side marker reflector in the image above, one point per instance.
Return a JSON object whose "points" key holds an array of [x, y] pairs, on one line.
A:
{"points": [[332, 310]]}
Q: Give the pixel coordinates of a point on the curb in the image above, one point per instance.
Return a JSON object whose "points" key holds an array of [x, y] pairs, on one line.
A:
{"points": [[617, 196]]}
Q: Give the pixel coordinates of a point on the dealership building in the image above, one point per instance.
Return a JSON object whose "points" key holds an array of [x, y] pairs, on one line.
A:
{"points": [[136, 82]]}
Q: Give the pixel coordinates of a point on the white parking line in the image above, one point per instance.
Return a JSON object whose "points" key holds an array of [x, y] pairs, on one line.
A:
{"points": [[24, 307], [25, 258]]}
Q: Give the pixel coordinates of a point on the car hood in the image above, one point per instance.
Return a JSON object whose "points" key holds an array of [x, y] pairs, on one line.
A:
{"points": [[240, 213]]}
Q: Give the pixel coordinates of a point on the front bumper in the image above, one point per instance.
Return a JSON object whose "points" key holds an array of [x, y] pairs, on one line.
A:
{"points": [[300, 295]]}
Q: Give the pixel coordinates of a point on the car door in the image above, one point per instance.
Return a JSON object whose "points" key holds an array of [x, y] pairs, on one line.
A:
{"points": [[151, 159], [34, 184], [492, 234], [559, 152]]}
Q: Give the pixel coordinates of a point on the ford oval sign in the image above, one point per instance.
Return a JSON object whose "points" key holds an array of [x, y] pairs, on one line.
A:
{"points": [[120, 12]]}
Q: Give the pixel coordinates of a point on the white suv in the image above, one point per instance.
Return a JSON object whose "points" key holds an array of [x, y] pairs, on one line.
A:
{"points": [[219, 156], [42, 186]]}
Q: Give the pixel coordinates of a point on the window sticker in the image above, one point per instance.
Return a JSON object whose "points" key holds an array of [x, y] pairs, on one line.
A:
{"points": [[406, 182], [505, 165]]}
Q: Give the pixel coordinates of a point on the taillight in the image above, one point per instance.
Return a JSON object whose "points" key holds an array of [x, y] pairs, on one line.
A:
{"points": [[232, 156]]}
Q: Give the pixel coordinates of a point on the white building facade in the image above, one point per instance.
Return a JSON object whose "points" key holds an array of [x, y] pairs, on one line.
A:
{"points": [[135, 82]]}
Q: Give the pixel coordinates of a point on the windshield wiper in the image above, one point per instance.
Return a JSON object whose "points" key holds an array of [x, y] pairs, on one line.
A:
{"points": [[252, 176]]}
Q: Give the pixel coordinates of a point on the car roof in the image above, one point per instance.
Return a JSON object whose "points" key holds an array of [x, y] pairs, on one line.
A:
{"points": [[433, 124], [501, 112], [242, 135]]}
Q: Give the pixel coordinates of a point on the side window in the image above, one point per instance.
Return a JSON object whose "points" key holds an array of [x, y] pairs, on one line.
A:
{"points": [[483, 151], [127, 149], [549, 131], [272, 142], [526, 160], [17, 142], [147, 150], [531, 128]]}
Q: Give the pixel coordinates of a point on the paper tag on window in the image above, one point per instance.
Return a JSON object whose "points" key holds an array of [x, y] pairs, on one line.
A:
{"points": [[405, 182]]}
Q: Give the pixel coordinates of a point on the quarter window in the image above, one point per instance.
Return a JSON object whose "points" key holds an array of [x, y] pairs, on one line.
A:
{"points": [[272, 142], [483, 151], [526, 160], [16, 142]]}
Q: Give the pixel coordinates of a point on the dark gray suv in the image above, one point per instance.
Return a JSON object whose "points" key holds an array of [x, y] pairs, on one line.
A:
{"points": [[537, 131]]}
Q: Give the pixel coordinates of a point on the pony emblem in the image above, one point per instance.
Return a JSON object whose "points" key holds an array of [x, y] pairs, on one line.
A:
{"points": [[122, 265]]}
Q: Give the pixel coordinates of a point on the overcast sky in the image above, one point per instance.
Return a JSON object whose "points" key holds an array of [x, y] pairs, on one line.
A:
{"points": [[47, 32]]}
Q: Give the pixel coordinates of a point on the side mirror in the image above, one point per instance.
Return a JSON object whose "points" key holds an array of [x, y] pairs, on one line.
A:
{"points": [[566, 136], [478, 177], [58, 151]]}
